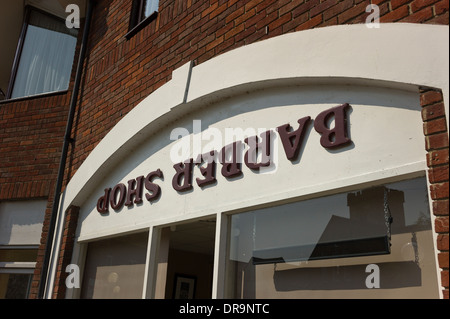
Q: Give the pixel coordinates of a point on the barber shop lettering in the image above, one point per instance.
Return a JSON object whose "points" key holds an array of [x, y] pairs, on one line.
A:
{"points": [[256, 156]]}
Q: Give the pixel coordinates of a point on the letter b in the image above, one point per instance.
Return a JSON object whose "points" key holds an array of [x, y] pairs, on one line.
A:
{"points": [[337, 136]]}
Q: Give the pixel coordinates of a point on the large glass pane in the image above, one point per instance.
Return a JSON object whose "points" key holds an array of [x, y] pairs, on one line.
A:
{"points": [[320, 248], [114, 268], [46, 58]]}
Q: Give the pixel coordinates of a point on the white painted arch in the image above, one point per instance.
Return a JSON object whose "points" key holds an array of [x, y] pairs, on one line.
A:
{"points": [[395, 55]]}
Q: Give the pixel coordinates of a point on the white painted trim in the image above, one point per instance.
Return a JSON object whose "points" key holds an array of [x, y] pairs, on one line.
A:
{"points": [[5, 266], [220, 255], [151, 264]]}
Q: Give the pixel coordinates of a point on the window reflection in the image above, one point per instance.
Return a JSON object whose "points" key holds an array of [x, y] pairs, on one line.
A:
{"points": [[323, 245]]}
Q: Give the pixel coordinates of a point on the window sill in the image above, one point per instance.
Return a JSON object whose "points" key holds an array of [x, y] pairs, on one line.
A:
{"points": [[31, 97], [141, 25]]}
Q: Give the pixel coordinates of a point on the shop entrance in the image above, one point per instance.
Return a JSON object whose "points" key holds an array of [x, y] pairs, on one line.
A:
{"points": [[188, 252]]}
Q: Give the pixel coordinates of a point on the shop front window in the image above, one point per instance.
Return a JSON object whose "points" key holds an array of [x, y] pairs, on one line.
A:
{"points": [[372, 243], [115, 267]]}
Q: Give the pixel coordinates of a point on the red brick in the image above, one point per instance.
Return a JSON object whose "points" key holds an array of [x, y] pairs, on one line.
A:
{"points": [[441, 224], [445, 294], [440, 207], [267, 20], [218, 11], [419, 16], [438, 174], [289, 7], [322, 7], [304, 7], [280, 21], [441, 7], [437, 157], [441, 19], [397, 3], [310, 24], [417, 5], [444, 278], [443, 259], [210, 9], [435, 126], [433, 111], [234, 31], [253, 20], [395, 15], [442, 242], [247, 15], [436, 141], [439, 190], [336, 9], [430, 97], [251, 4], [214, 43], [234, 15]]}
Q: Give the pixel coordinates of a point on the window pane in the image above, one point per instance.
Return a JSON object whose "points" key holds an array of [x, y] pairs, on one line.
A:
{"points": [[114, 268], [150, 7], [47, 56], [14, 286], [320, 248]]}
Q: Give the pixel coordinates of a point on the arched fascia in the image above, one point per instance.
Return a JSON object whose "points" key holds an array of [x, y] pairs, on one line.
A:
{"points": [[407, 56]]}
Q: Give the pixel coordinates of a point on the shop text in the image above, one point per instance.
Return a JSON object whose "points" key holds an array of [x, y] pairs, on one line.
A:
{"points": [[254, 151]]}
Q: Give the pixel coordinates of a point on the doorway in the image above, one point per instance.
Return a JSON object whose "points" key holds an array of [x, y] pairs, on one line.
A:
{"points": [[188, 252]]}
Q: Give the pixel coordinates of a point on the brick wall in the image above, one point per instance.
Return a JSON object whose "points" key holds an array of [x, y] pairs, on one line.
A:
{"points": [[30, 139], [436, 144]]}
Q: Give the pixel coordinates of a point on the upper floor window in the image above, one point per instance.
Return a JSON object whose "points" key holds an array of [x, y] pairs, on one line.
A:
{"points": [[44, 56], [142, 12]]}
